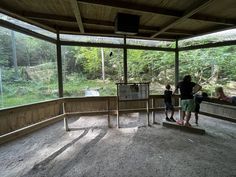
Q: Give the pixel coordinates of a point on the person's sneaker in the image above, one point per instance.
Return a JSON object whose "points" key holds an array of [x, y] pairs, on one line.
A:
{"points": [[180, 122], [167, 119], [172, 119], [187, 124]]}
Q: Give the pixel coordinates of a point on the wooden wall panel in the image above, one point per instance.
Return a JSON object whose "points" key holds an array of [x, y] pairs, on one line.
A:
{"points": [[16, 118]]}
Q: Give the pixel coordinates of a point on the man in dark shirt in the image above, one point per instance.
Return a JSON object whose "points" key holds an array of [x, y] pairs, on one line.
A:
{"points": [[187, 89], [168, 103]]}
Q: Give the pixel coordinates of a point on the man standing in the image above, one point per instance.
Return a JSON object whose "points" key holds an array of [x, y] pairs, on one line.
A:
{"points": [[187, 89]]}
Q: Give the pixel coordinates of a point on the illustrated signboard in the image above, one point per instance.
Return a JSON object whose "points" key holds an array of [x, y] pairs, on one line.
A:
{"points": [[137, 91]]}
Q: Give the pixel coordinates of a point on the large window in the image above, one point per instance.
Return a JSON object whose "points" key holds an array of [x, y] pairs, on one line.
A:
{"points": [[91, 39], [156, 67], [28, 69], [91, 71], [227, 35], [150, 43], [211, 68], [27, 26]]}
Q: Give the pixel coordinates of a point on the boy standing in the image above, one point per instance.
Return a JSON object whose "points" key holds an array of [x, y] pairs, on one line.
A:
{"points": [[168, 103], [198, 100]]}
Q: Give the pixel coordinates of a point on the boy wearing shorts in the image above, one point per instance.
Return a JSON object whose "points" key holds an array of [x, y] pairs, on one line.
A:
{"points": [[168, 103]]}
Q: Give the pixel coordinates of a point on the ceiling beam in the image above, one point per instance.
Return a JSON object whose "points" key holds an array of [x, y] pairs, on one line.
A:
{"points": [[170, 31], [51, 17], [192, 10], [156, 10], [13, 13], [133, 6], [75, 7], [48, 17], [212, 19], [141, 27], [110, 33]]}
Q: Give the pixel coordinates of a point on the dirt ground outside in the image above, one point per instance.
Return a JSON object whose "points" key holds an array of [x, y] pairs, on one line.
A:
{"points": [[91, 149]]}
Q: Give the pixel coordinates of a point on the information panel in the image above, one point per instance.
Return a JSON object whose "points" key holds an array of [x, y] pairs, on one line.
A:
{"points": [[132, 91]]}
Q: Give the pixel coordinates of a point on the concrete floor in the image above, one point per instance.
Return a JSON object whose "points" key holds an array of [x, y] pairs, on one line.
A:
{"points": [[90, 149]]}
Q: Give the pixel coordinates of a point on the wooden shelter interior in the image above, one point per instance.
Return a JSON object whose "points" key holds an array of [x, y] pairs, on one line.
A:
{"points": [[164, 20], [159, 19]]}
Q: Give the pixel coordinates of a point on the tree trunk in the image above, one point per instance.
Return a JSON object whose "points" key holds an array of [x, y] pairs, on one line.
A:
{"points": [[14, 55]]}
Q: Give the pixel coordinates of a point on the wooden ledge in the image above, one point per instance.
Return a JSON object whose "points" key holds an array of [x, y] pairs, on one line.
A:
{"points": [[29, 129], [183, 128]]}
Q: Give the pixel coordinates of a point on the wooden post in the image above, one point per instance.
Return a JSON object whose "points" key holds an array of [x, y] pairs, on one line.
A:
{"points": [[176, 62], [65, 118], [148, 107], [177, 69], [125, 61], [153, 112], [108, 111], [103, 67], [59, 67], [117, 108], [148, 112]]}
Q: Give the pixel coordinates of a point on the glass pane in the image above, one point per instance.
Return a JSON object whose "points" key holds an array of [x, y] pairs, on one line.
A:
{"points": [[28, 69], [91, 71], [151, 43], [211, 68], [91, 39], [227, 35], [27, 26], [155, 67]]}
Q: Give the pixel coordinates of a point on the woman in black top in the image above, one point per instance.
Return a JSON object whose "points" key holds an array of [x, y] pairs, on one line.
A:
{"points": [[187, 89]]}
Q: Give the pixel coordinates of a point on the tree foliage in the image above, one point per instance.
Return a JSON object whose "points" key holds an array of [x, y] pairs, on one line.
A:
{"points": [[207, 66]]}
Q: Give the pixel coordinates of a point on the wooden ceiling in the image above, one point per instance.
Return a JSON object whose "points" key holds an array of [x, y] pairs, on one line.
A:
{"points": [[159, 19]]}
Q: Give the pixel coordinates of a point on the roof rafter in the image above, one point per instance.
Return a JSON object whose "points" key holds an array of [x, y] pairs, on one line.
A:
{"points": [[192, 10], [51, 17], [110, 33], [48, 17], [133, 6], [157, 10], [12, 13], [76, 11]]}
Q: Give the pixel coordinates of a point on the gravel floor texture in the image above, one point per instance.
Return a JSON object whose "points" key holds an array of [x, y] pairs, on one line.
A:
{"points": [[90, 149]]}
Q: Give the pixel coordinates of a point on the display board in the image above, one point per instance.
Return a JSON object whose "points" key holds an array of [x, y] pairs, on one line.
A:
{"points": [[132, 91]]}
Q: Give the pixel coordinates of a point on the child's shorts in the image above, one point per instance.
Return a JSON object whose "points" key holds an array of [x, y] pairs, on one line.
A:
{"points": [[188, 105], [197, 108], [169, 106]]}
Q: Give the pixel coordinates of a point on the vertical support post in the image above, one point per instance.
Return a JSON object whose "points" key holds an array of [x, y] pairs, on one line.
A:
{"points": [[118, 107], [177, 68], [1, 89], [176, 62], [148, 107], [148, 121], [65, 118], [59, 66], [60, 79], [103, 66], [153, 112], [125, 61], [108, 111]]}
